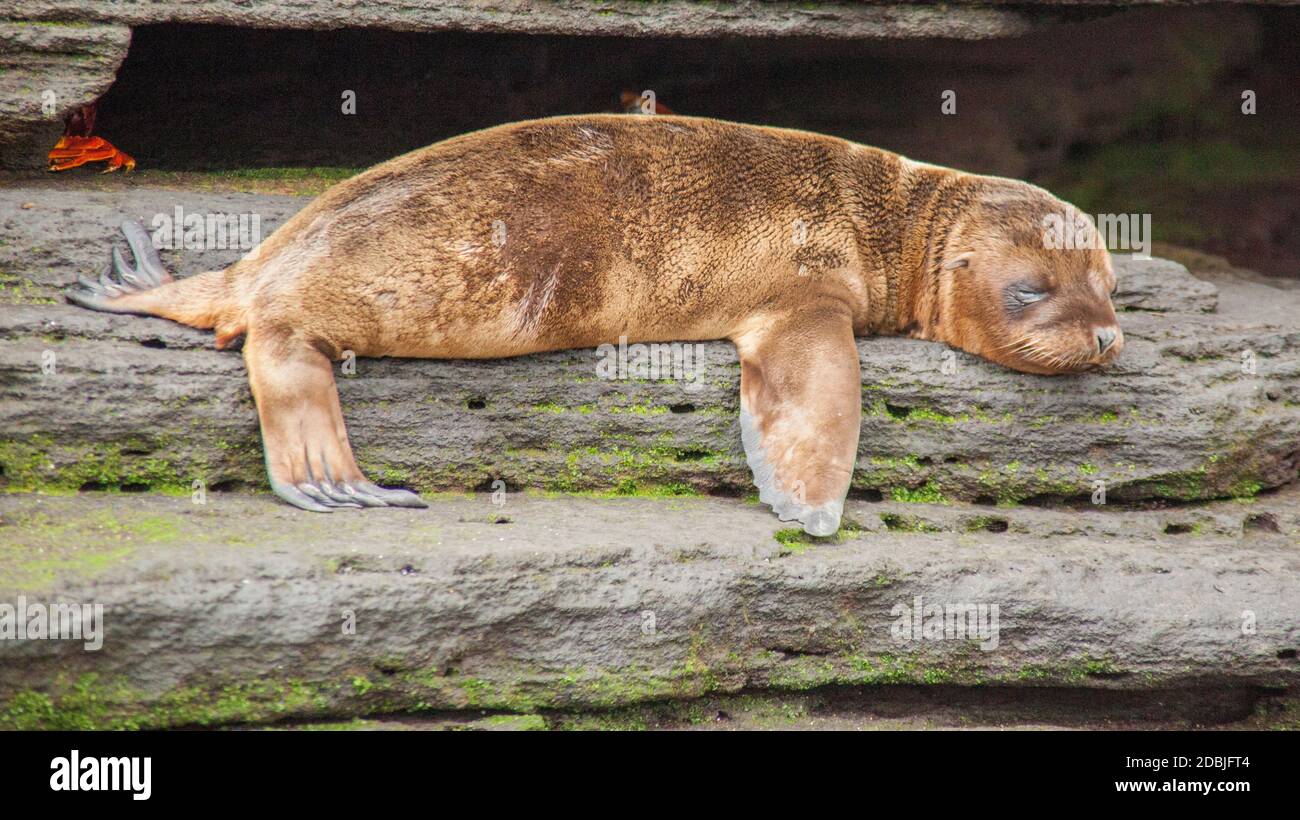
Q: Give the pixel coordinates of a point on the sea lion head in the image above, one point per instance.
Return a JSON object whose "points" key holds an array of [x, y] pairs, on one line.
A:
{"points": [[1026, 282]]}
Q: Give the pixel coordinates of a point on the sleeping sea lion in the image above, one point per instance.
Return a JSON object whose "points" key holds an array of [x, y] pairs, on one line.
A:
{"points": [[571, 232]]}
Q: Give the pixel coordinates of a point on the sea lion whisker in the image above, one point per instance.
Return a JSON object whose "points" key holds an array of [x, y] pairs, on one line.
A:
{"points": [[1014, 343]]}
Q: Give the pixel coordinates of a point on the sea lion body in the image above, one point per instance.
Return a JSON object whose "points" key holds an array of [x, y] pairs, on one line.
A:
{"points": [[568, 232], [572, 232]]}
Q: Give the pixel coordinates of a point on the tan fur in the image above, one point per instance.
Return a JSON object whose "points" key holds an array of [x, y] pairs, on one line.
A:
{"points": [[658, 229]]}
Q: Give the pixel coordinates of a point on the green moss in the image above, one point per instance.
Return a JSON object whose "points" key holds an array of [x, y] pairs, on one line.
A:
{"points": [[1033, 672], [28, 466], [876, 670], [16, 290], [433, 688], [156, 528], [354, 725], [986, 523], [1245, 488], [791, 537], [676, 489], [926, 414], [332, 173], [905, 465], [1184, 486], [911, 415], [626, 488], [619, 467], [614, 721], [797, 541], [1216, 478], [514, 723], [928, 494], [1099, 667], [630, 469], [883, 409], [907, 523], [1072, 672], [85, 563], [31, 710], [646, 409], [78, 547], [90, 703]]}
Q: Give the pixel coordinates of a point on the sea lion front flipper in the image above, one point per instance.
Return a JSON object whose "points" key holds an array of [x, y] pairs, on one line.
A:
{"points": [[308, 458], [800, 412]]}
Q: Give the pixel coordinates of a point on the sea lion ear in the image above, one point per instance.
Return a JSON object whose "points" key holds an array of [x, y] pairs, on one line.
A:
{"points": [[959, 261]]}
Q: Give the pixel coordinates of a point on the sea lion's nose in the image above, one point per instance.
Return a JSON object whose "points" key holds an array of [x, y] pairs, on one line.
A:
{"points": [[1105, 338]]}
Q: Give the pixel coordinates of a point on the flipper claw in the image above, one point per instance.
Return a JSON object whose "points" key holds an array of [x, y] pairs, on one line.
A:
{"points": [[318, 495], [363, 498], [393, 498], [149, 264], [106, 282], [336, 492], [126, 275], [296, 497]]}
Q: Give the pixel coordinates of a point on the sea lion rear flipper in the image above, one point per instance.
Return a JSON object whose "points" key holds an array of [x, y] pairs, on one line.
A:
{"points": [[308, 458], [119, 279], [800, 412], [203, 300]]}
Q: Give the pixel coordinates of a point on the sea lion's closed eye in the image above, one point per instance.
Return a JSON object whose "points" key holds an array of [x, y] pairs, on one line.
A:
{"points": [[1025, 294]]}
